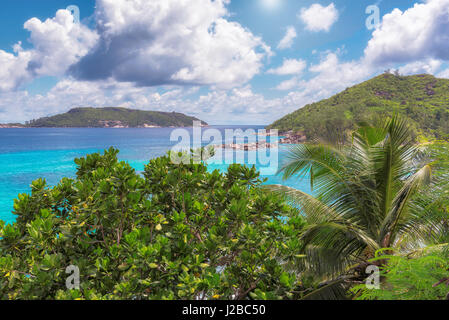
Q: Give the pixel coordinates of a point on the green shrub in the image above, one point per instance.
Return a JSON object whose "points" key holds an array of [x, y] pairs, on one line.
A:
{"points": [[175, 232], [405, 278]]}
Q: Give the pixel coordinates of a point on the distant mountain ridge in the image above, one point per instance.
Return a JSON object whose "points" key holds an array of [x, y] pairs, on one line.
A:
{"points": [[111, 118], [422, 99]]}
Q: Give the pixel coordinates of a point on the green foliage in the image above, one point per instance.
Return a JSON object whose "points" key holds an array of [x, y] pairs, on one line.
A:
{"points": [[175, 232], [364, 199], [404, 278], [435, 199], [439, 152], [96, 117], [421, 99]]}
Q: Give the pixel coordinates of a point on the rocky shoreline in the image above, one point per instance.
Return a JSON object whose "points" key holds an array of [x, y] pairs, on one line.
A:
{"points": [[292, 137], [103, 124], [11, 126], [268, 133], [248, 146], [120, 125]]}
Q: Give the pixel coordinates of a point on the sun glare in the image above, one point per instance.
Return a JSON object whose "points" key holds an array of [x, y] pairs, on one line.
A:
{"points": [[271, 4]]}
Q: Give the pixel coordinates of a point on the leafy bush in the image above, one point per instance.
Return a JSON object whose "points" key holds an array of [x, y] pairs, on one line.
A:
{"points": [[175, 232], [422, 278]]}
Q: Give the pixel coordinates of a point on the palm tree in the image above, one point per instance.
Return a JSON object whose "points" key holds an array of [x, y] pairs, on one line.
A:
{"points": [[363, 197]]}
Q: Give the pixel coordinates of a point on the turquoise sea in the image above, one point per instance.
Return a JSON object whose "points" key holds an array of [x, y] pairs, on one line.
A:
{"points": [[29, 154]]}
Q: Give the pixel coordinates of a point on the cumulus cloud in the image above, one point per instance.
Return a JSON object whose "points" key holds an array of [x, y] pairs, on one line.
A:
{"points": [[429, 66], [416, 34], [289, 67], [288, 84], [239, 105], [334, 75], [192, 43], [319, 18], [287, 40], [328, 77], [162, 42], [57, 43], [13, 71], [69, 93]]}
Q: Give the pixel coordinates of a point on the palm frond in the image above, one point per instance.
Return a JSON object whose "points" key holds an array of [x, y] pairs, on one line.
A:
{"points": [[400, 203], [330, 290], [364, 197]]}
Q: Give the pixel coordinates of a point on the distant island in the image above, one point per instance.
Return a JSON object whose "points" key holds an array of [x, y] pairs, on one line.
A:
{"points": [[422, 99], [109, 118]]}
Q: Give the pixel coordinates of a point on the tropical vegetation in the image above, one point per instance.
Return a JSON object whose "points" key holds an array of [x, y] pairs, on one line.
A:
{"points": [[369, 195], [422, 277], [103, 117], [421, 99], [179, 231]]}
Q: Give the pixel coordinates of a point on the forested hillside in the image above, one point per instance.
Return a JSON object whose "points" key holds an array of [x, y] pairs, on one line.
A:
{"points": [[422, 99], [114, 117]]}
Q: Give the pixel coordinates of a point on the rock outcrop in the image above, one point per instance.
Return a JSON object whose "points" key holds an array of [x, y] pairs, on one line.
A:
{"points": [[248, 146], [292, 137]]}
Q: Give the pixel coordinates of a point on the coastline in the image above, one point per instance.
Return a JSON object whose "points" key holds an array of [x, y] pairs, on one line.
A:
{"points": [[121, 127], [26, 155]]}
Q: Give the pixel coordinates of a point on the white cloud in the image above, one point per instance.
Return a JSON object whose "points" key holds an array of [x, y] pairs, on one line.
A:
{"points": [[69, 93], [162, 42], [319, 18], [236, 105], [429, 66], [289, 67], [333, 76], [416, 34], [152, 43], [329, 77], [56, 44], [240, 105], [287, 40], [13, 71], [288, 84]]}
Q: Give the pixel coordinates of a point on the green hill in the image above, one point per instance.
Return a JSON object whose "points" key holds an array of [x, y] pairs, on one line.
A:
{"points": [[423, 99], [114, 117]]}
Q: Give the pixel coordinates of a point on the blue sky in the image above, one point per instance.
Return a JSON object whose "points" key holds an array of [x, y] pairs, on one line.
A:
{"points": [[227, 62]]}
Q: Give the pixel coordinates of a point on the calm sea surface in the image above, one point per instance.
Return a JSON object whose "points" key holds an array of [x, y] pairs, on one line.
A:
{"points": [[29, 154]]}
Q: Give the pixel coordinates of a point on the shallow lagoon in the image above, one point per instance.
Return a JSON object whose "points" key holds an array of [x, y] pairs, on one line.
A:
{"points": [[29, 154]]}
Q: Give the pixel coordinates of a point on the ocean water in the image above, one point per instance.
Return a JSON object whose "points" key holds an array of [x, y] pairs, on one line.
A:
{"points": [[29, 154]]}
